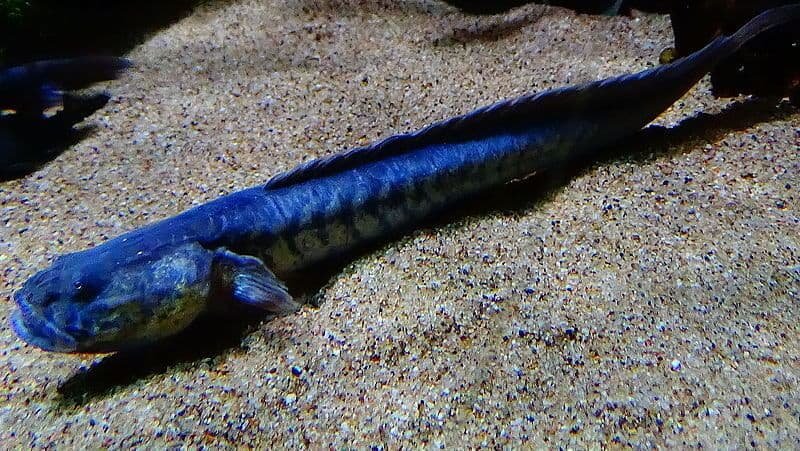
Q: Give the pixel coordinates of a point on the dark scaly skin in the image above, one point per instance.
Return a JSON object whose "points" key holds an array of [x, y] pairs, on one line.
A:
{"points": [[154, 281]]}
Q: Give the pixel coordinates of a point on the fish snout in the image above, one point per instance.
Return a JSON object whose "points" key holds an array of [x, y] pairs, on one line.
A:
{"points": [[31, 325]]}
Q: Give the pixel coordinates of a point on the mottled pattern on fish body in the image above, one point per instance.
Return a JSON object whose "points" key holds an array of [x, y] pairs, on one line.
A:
{"points": [[309, 218], [320, 218], [294, 225]]}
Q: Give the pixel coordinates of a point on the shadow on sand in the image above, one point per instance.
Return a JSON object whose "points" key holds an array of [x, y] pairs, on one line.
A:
{"points": [[27, 143]]}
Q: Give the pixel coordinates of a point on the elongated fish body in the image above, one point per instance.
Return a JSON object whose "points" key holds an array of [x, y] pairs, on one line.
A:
{"points": [[331, 205], [156, 280], [292, 227]]}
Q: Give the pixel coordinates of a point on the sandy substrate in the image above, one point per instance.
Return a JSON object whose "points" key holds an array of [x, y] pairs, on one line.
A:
{"points": [[646, 301]]}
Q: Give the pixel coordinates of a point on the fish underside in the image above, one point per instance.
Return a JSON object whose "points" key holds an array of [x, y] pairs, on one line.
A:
{"points": [[155, 281]]}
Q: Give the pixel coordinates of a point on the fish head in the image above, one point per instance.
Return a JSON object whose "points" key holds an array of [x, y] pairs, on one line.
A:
{"points": [[113, 297]]}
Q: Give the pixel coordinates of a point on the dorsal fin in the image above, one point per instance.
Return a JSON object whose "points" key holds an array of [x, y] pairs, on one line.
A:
{"points": [[454, 129], [660, 85]]}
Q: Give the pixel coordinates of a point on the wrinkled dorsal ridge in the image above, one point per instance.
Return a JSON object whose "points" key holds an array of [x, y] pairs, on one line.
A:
{"points": [[550, 104], [652, 85], [387, 147], [455, 129]]}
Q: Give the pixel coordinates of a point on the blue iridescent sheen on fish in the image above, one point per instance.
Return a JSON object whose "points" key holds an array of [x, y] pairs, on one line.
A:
{"points": [[154, 281]]}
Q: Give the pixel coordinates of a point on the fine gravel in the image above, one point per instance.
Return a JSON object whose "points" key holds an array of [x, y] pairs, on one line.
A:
{"points": [[648, 298]]}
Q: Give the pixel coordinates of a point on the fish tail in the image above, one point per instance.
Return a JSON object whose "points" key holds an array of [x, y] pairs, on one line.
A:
{"points": [[36, 86], [763, 22], [75, 73], [724, 46], [667, 83]]}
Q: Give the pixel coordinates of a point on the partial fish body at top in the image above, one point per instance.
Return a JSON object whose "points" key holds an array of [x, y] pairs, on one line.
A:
{"points": [[153, 282]]}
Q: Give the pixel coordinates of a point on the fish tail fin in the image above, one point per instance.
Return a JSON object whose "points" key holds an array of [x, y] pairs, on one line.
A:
{"points": [[76, 73], [33, 87], [765, 21], [724, 46], [667, 83]]}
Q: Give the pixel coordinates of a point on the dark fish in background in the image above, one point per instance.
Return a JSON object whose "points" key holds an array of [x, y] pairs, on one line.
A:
{"points": [[29, 135]]}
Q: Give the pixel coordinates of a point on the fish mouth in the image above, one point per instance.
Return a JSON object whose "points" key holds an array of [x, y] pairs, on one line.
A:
{"points": [[32, 327]]}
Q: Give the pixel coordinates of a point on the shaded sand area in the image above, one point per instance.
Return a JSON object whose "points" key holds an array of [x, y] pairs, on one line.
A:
{"points": [[649, 299]]}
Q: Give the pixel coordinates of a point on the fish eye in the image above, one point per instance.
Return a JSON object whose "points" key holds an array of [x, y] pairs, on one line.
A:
{"points": [[83, 290]]}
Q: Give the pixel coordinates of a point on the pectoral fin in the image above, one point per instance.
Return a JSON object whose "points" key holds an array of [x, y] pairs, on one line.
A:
{"points": [[250, 282]]}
